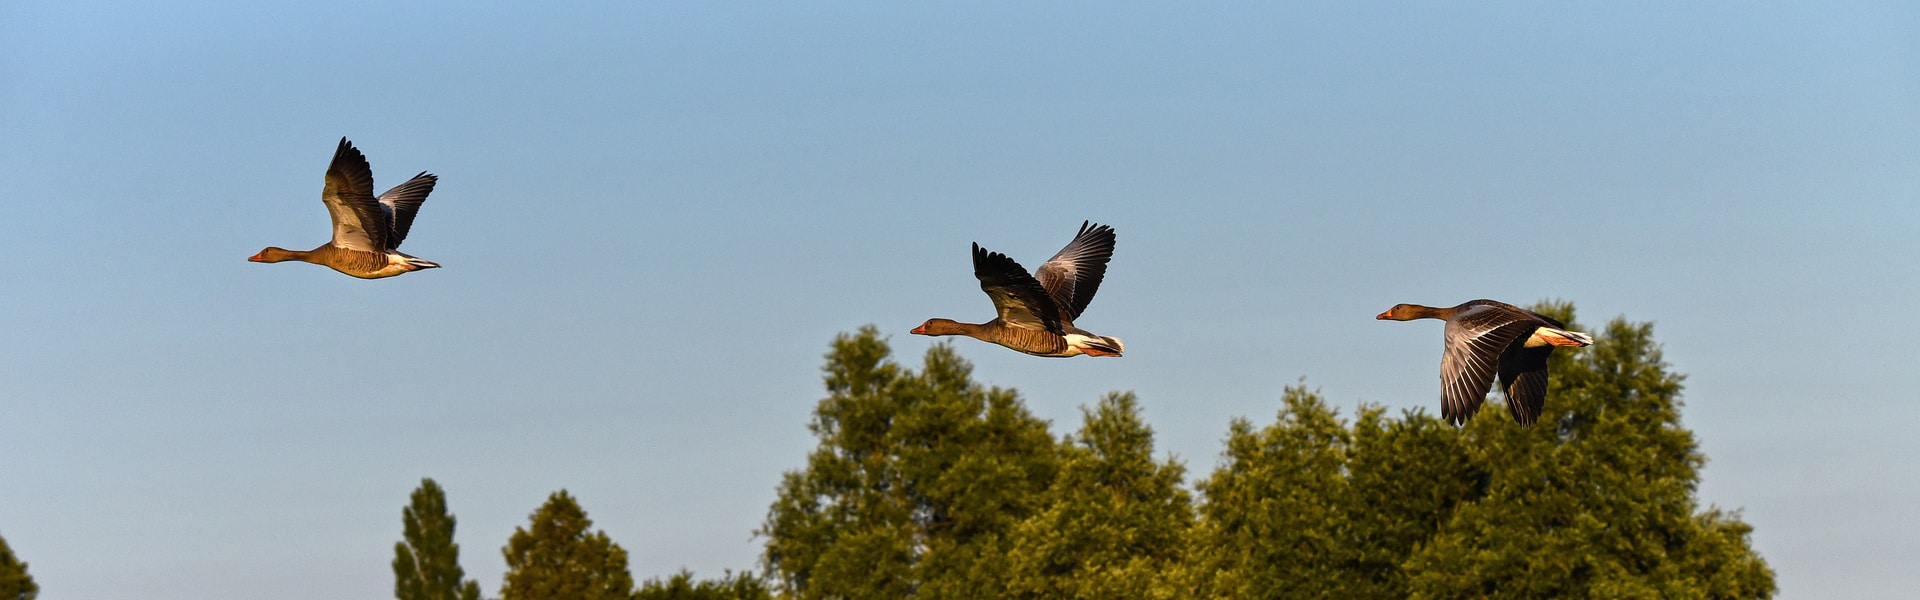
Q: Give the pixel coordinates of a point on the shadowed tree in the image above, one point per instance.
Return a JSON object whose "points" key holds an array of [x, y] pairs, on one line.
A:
{"points": [[15, 583], [1115, 519], [916, 481], [681, 586], [556, 558], [426, 566]]}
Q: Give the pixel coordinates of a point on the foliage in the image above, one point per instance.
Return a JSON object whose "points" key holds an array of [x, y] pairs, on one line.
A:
{"points": [[928, 485], [426, 566], [557, 559], [15, 583], [681, 586], [916, 482], [1594, 501], [1114, 518]]}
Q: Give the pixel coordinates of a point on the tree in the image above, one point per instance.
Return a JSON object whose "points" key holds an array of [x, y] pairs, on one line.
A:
{"points": [[1115, 519], [557, 559], [1275, 521], [916, 481], [15, 583], [681, 586], [426, 566], [1405, 477], [1597, 500]]}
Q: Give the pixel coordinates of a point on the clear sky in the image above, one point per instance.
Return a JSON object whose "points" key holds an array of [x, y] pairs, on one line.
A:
{"points": [[654, 217]]}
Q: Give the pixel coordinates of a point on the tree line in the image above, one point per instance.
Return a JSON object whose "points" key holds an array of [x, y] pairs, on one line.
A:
{"points": [[926, 484]]}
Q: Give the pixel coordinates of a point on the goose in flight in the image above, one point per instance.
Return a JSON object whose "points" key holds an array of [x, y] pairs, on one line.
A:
{"points": [[366, 230], [1036, 311], [1485, 338]]}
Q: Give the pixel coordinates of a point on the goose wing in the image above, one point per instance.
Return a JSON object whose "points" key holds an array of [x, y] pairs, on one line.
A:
{"points": [[1523, 373], [1020, 298], [1476, 337], [1073, 275], [403, 201], [359, 221]]}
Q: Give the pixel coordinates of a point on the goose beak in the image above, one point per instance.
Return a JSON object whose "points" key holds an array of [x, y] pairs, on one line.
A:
{"points": [[921, 330], [1384, 316], [257, 258]]}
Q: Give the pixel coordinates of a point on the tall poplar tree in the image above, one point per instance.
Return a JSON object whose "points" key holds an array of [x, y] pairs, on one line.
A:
{"points": [[426, 565], [15, 583], [914, 486], [556, 558]]}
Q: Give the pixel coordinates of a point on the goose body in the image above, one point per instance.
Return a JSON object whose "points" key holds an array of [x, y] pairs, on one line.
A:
{"points": [[1036, 311], [1485, 339], [367, 230]]}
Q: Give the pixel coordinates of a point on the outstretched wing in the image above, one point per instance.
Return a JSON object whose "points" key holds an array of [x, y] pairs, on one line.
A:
{"points": [[1475, 339], [1073, 275], [403, 201], [359, 221], [1021, 300]]}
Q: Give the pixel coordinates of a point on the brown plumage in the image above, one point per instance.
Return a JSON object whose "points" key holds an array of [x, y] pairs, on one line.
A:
{"points": [[1036, 313], [366, 230], [1485, 339]]}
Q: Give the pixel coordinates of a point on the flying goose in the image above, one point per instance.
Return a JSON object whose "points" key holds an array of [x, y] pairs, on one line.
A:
{"points": [[366, 230], [1036, 314], [1484, 337]]}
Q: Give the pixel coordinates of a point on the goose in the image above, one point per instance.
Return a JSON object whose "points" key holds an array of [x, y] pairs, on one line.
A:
{"points": [[1037, 314], [1485, 338], [366, 230]]}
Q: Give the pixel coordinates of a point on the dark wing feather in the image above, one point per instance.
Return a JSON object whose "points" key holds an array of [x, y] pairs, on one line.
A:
{"points": [[1073, 275], [403, 201], [1523, 373], [1476, 338], [359, 221], [1021, 300]]}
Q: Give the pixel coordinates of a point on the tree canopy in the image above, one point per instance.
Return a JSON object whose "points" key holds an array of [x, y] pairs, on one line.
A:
{"points": [[928, 485], [426, 563], [15, 583], [556, 558], [916, 482]]}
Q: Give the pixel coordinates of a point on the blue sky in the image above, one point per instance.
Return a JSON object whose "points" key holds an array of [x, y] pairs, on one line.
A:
{"points": [[654, 217]]}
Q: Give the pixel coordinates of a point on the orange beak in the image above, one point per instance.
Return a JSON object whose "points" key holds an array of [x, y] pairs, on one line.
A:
{"points": [[921, 330], [257, 257], [1384, 316]]}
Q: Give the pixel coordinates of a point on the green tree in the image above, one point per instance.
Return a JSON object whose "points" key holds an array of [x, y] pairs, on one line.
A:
{"points": [[556, 558], [426, 565], [916, 481], [1405, 477], [1597, 500], [15, 583], [1274, 523], [1115, 519], [681, 586]]}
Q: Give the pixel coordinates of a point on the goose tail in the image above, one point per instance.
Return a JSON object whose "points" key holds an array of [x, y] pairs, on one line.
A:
{"points": [[1562, 337]]}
